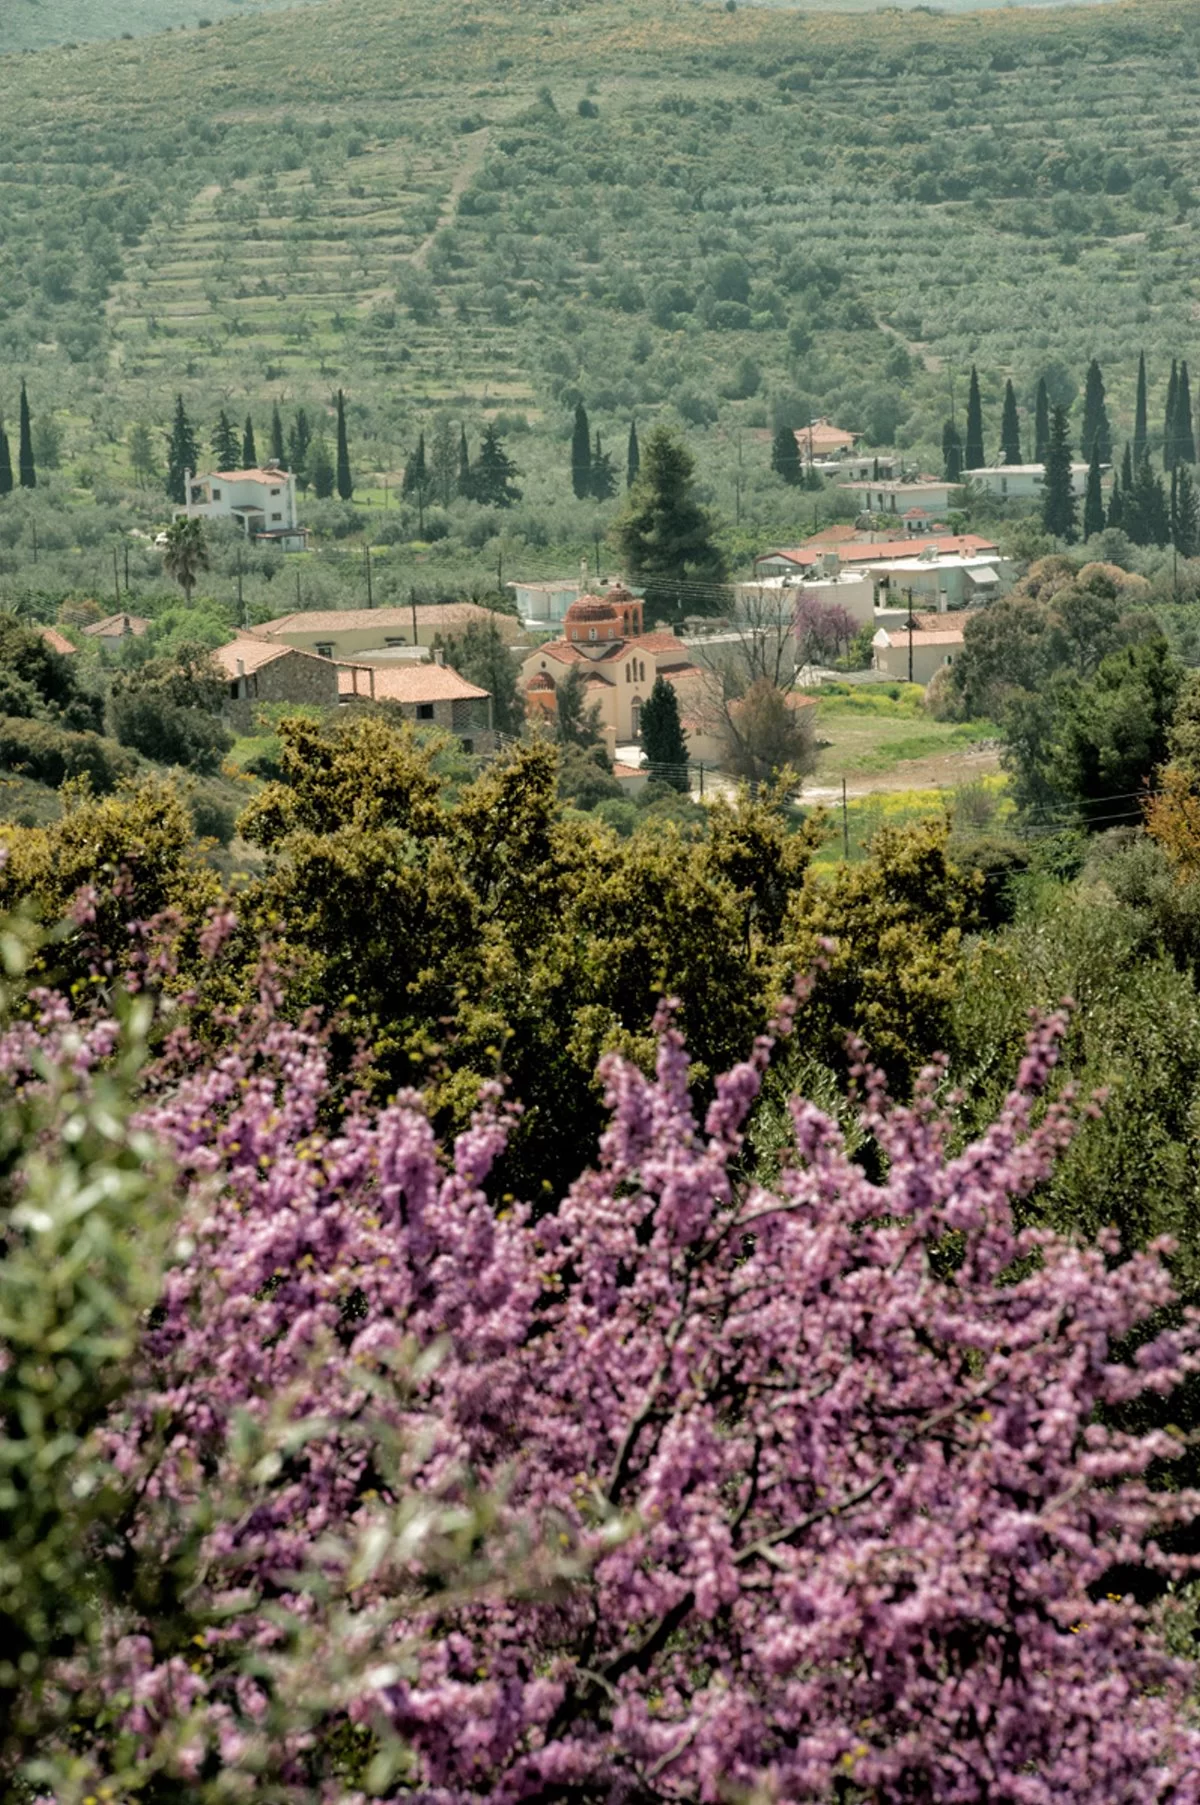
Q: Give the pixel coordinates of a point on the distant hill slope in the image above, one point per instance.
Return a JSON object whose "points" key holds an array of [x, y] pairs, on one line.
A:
{"points": [[38, 24]]}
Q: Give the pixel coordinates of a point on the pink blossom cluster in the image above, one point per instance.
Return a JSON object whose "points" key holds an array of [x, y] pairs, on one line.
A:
{"points": [[828, 1472]]}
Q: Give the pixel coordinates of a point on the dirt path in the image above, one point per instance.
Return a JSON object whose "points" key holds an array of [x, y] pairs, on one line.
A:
{"points": [[471, 165], [941, 771]]}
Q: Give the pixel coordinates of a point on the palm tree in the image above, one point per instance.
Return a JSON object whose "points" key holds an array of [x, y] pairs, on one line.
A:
{"points": [[186, 553]]}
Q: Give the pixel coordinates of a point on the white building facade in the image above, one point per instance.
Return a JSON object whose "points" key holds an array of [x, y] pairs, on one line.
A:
{"points": [[261, 502]]}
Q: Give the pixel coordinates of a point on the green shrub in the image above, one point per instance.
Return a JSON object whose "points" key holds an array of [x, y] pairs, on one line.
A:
{"points": [[52, 755]]}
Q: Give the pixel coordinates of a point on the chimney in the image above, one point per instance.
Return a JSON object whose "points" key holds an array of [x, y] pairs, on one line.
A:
{"points": [[440, 656], [241, 667]]}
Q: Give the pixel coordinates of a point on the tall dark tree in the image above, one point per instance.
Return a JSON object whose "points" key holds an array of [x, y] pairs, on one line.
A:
{"points": [[1041, 425], [464, 463], [6, 469], [973, 451], [277, 451], [181, 454], [603, 476], [1186, 532], [25, 464], [321, 470], [663, 742], [299, 442], [1185, 431], [345, 482], [225, 447], [952, 452], [1010, 428], [1170, 448], [1146, 514], [785, 456], [1096, 429], [1060, 513], [1127, 466], [249, 448], [416, 472], [1116, 498], [665, 538], [1093, 501], [633, 456], [1141, 431], [581, 454], [493, 471]]}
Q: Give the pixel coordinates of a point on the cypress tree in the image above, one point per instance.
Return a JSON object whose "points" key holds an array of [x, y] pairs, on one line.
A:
{"points": [[6, 474], [1170, 454], [1059, 510], [1116, 501], [1187, 516], [581, 454], [973, 452], [345, 482], [416, 471], [952, 452], [1010, 428], [225, 448], [1127, 470], [633, 456], [1141, 435], [603, 476], [1093, 502], [181, 454], [249, 449], [1185, 433], [299, 441], [323, 475], [1041, 422], [785, 456], [25, 468], [277, 451], [1096, 430], [662, 736], [464, 463]]}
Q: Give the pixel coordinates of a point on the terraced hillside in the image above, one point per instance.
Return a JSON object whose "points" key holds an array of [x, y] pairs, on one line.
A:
{"points": [[35, 24], [739, 216]]}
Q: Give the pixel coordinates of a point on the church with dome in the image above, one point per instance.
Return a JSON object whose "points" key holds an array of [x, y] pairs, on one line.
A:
{"points": [[604, 636]]}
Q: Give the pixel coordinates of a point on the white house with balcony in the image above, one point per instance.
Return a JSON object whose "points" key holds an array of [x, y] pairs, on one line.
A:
{"points": [[261, 502], [1023, 482]]}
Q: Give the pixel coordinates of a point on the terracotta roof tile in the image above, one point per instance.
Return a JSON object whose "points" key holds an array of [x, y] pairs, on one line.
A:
{"points": [[58, 642], [407, 683]]}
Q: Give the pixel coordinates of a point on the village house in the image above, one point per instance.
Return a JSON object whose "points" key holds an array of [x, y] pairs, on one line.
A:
{"points": [[1022, 482], [604, 638], [261, 502], [262, 670], [957, 581], [866, 548], [58, 642], [883, 497], [341, 633], [432, 695], [917, 654], [853, 590], [820, 442], [115, 629]]}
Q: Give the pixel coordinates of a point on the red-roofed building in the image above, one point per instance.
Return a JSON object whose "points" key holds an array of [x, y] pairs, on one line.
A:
{"points": [[262, 502], [794, 561], [262, 670], [602, 637], [58, 642]]}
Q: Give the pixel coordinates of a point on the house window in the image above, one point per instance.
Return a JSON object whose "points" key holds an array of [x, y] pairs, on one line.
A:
{"points": [[274, 491], [395, 642], [1004, 485], [635, 715], [277, 517], [468, 745], [591, 632], [325, 651], [216, 495], [424, 711]]}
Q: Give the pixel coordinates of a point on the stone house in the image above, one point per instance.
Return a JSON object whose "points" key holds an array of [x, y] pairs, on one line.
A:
{"points": [[260, 670], [433, 695], [115, 629]]}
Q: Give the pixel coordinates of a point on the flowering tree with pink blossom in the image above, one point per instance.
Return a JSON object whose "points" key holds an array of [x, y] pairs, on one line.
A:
{"points": [[822, 629], [701, 1484]]}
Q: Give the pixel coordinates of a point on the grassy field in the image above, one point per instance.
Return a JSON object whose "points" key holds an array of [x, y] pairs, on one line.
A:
{"points": [[870, 733]]}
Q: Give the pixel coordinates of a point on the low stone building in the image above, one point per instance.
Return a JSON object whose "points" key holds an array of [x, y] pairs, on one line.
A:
{"points": [[432, 695], [260, 670], [342, 633]]}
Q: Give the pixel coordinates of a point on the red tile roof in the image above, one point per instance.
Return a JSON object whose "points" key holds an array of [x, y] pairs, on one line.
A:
{"points": [[115, 626], [889, 550], [58, 642], [406, 683]]}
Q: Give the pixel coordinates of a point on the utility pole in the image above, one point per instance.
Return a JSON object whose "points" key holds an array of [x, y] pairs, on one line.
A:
{"points": [[241, 602], [412, 602], [845, 825], [299, 600], [910, 634], [127, 567], [499, 573], [367, 562], [116, 577], [596, 542]]}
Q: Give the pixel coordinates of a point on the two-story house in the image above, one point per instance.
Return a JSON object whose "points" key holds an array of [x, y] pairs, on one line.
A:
{"points": [[261, 502]]}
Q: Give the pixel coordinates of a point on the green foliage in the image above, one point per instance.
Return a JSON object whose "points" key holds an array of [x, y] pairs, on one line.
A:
{"points": [[345, 482], [225, 447], [1059, 509], [26, 470], [974, 453], [54, 755], [480, 655], [663, 742], [167, 710], [181, 454], [185, 554], [491, 479], [664, 537], [1010, 429], [581, 454], [38, 683]]}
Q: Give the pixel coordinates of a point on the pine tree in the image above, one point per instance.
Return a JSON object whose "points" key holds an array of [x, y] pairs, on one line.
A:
{"points": [[1093, 501], [604, 477], [973, 451], [1041, 422], [493, 471], [952, 452], [633, 456], [1141, 436], [464, 463], [664, 536], [1185, 432], [581, 454], [225, 448], [323, 474], [1010, 428], [663, 742], [278, 454], [1059, 509], [25, 467], [1146, 513], [299, 441], [1170, 455], [249, 449], [1187, 516], [181, 454], [345, 482], [416, 470], [785, 456], [6, 469], [1096, 429]]}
